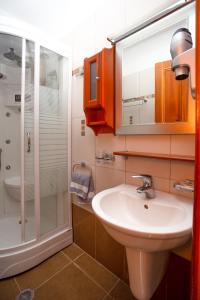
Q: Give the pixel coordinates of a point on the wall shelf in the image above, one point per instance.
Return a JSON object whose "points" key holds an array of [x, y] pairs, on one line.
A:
{"points": [[154, 155]]}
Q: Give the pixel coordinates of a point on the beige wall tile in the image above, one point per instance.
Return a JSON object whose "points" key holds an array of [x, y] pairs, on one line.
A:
{"points": [[118, 163], [83, 147], [183, 144], [161, 184], [182, 170], [154, 167], [107, 178], [148, 143], [109, 143]]}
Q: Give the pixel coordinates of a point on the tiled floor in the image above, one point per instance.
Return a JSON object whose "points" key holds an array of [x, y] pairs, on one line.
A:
{"points": [[71, 274]]}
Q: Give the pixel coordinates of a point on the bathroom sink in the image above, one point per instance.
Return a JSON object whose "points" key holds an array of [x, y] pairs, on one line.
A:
{"points": [[166, 218], [148, 228]]}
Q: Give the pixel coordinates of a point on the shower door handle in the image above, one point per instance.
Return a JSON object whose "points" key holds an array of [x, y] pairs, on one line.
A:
{"points": [[29, 142], [0, 157]]}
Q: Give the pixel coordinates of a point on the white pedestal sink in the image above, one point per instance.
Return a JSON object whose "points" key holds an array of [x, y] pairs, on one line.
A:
{"points": [[148, 229]]}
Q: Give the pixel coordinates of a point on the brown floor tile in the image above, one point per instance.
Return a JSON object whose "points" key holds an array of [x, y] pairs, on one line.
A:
{"points": [[39, 274], [71, 284], [98, 272], [108, 251], [84, 229], [122, 292], [108, 297], [8, 289], [73, 251]]}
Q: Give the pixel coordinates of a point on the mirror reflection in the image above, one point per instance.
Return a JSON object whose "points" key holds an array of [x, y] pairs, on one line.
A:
{"points": [[150, 93]]}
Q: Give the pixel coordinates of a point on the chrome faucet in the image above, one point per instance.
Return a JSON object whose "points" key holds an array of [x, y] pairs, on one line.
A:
{"points": [[147, 187]]}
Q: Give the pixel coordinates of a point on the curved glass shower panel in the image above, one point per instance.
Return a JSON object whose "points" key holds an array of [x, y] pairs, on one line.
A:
{"points": [[10, 137], [29, 203], [53, 141]]}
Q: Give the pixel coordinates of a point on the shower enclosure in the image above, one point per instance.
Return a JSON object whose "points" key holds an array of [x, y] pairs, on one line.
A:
{"points": [[35, 216]]}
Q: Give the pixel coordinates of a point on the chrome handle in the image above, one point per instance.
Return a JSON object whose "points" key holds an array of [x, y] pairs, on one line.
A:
{"points": [[0, 157], [186, 185], [97, 77], [29, 142], [147, 179]]}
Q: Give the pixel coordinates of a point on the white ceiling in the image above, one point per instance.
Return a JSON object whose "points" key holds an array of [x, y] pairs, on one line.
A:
{"points": [[61, 17], [55, 17]]}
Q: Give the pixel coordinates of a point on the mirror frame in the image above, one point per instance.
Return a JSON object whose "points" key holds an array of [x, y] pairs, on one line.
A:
{"points": [[159, 128]]}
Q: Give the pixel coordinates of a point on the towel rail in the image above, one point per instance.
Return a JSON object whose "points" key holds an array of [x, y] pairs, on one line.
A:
{"points": [[81, 164]]}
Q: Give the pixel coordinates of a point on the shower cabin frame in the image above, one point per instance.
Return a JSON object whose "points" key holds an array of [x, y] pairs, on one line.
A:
{"points": [[21, 257]]}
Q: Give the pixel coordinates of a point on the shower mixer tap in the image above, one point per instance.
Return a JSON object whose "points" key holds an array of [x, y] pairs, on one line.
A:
{"points": [[29, 142]]}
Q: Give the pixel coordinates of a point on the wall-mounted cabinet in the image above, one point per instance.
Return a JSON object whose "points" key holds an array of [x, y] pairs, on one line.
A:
{"points": [[99, 91]]}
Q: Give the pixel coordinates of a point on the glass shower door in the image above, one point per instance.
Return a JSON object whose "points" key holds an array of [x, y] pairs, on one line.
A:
{"points": [[29, 197], [10, 148], [53, 139]]}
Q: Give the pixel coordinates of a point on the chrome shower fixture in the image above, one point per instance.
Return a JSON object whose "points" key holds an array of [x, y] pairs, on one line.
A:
{"points": [[11, 55], [2, 76], [183, 56]]}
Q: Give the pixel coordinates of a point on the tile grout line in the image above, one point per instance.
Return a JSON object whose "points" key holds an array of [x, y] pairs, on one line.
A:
{"points": [[65, 255], [45, 281], [77, 257], [18, 286], [101, 265], [114, 285], [66, 265], [90, 277]]}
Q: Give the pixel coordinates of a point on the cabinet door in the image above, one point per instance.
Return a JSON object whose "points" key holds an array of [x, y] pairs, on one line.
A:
{"points": [[171, 95], [92, 82]]}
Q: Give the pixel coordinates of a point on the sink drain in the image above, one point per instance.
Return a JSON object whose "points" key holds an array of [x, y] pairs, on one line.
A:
{"points": [[26, 294]]}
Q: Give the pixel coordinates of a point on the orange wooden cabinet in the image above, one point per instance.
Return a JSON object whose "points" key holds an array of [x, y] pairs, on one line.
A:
{"points": [[171, 95], [99, 91]]}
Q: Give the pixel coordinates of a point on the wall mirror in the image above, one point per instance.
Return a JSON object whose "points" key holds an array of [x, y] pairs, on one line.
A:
{"points": [[148, 98]]}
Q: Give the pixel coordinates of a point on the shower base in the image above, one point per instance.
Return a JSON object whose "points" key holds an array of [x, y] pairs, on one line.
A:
{"points": [[16, 257], [10, 230]]}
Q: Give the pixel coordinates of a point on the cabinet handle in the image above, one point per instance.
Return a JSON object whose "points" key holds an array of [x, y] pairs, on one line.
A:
{"points": [[97, 77]]}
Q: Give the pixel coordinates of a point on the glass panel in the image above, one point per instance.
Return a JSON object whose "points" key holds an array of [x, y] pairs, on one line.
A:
{"points": [[53, 140], [29, 143], [93, 82], [10, 120]]}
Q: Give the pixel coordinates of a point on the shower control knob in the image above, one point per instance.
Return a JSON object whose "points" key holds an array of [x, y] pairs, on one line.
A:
{"points": [[8, 167]]}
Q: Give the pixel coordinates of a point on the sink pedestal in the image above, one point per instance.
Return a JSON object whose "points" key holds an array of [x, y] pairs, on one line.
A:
{"points": [[146, 270]]}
